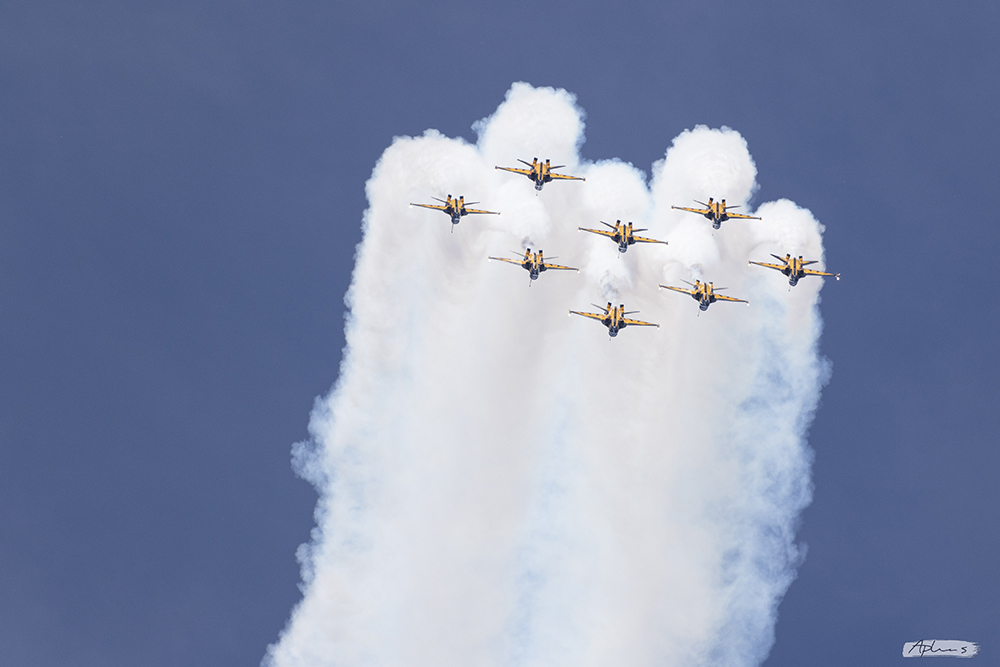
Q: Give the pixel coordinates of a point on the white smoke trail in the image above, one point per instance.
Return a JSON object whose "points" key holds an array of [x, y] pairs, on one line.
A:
{"points": [[500, 484]]}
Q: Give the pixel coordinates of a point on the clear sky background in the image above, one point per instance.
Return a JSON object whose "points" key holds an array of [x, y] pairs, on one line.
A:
{"points": [[181, 190]]}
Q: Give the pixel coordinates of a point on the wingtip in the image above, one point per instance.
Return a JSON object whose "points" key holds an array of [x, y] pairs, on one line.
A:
{"points": [[838, 276]]}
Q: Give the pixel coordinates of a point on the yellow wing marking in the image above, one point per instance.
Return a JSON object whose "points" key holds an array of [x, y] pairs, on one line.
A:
{"points": [[812, 272], [643, 239], [740, 215], [593, 316], [703, 211], [526, 172], [722, 297], [557, 266], [433, 206], [567, 178], [639, 323], [476, 210], [779, 267], [519, 262], [678, 289], [609, 234]]}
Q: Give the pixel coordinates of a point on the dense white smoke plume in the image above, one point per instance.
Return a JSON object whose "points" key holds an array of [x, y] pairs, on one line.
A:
{"points": [[500, 483]]}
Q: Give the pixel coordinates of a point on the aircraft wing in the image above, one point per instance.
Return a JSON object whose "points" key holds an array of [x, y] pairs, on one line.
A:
{"points": [[609, 234], [476, 210], [433, 206], [567, 178], [740, 215], [678, 289], [702, 211], [639, 323], [519, 262], [779, 267], [813, 272], [594, 316], [721, 297], [558, 267], [643, 239], [526, 172]]}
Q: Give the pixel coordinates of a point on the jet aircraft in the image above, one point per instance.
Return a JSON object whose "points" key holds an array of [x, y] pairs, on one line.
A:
{"points": [[614, 318], [456, 208], [704, 294], [540, 172], [795, 269], [622, 235], [534, 263], [716, 211]]}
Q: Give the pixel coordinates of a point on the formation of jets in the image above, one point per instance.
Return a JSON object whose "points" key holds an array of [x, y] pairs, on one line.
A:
{"points": [[622, 235], [540, 172], [614, 317]]}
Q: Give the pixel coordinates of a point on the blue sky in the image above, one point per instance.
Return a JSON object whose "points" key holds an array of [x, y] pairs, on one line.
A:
{"points": [[180, 198]]}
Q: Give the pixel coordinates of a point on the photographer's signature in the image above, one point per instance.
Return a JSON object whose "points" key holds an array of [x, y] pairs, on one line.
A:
{"points": [[939, 647]]}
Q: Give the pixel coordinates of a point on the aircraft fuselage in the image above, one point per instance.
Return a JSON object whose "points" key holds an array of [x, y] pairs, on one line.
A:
{"points": [[793, 269], [716, 213], [456, 212], [717, 216], [541, 178]]}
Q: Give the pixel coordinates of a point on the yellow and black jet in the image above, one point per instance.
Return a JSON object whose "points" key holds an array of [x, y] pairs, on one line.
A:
{"points": [[716, 211], [704, 294], [621, 234], [456, 208], [794, 268], [614, 318], [534, 263], [541, 172]]}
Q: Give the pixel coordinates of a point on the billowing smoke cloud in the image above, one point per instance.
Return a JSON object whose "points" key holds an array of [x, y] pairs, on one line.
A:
{"points": [[499, 483]]}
